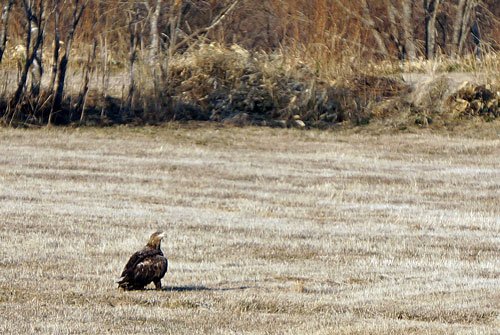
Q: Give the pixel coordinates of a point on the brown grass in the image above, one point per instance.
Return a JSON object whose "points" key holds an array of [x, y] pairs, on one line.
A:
{"points": [[269, 231]]}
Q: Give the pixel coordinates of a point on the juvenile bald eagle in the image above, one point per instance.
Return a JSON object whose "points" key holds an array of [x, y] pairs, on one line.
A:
{"points": [[145, 266]]}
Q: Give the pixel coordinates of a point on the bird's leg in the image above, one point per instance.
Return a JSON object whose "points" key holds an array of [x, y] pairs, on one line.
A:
{"points": [[157, 284]]}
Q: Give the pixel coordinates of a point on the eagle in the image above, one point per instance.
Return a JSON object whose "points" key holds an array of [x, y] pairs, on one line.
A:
{"points": [[145, 266]]}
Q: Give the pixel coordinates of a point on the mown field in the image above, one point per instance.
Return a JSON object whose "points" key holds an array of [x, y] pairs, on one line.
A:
{"points": [[268, 231]]}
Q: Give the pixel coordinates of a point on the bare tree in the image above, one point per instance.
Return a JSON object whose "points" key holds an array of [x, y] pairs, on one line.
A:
{"points": [[33, 12], [37, 27], [462, 24], [476, 37], [133, 29], [155, 60], [408, 33], [4, 24], [56, 46], [431, 9], [400, 27], [154, 15], [104, 52], [174, 20], [87, 75], [78, 8]]}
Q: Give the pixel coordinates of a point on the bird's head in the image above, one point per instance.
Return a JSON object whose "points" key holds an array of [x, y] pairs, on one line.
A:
{"points": [[155, 239]]}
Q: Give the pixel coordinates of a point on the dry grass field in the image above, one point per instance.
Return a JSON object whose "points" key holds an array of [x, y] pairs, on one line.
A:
{"points": [[268, 231]]}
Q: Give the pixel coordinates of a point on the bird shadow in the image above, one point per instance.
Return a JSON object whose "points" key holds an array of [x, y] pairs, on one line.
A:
{"points": [[198, 288]]}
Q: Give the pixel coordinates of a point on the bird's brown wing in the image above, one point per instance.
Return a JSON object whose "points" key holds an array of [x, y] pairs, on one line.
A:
{"points": [[138, 257], [150, 268]]}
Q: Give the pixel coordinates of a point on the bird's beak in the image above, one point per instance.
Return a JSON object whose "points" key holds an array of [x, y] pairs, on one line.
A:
{"points": [[162, 235]]}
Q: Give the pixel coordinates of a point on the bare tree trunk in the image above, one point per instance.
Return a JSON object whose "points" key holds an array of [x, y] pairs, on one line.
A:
{"points": [[462, 24], [431, 10], [476, 37], [174, 22], [89, 71], [63, 63], [154, 52], [4, 24], [155, 33], [408, 34], [401, 30], [36, 69], [133, 43], [33, 43], [57, 47], [105, 72], [103, 41]]}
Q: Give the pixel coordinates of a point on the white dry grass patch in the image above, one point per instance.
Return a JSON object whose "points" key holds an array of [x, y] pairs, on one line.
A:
{"points": [[268, 231]]}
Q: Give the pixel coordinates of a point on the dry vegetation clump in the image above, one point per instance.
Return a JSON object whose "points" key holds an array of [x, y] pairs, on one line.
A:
{"points": [[432, 96], [439, 102], [476, 100], [234, 85], [239, 86]]}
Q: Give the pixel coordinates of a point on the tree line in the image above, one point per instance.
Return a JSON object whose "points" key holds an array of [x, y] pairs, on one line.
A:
{"points": [[100, 34]]}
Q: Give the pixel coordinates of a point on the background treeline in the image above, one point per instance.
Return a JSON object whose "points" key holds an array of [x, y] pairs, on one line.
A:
{"points": [[156, 60]]}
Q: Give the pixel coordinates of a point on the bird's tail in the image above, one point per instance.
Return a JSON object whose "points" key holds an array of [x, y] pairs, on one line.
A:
{"points": [[123, 282]]}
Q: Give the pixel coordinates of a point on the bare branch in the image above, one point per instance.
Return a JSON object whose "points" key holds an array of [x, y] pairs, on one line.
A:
{"points": [[215, 22], [32, 47], [78, 9]]}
